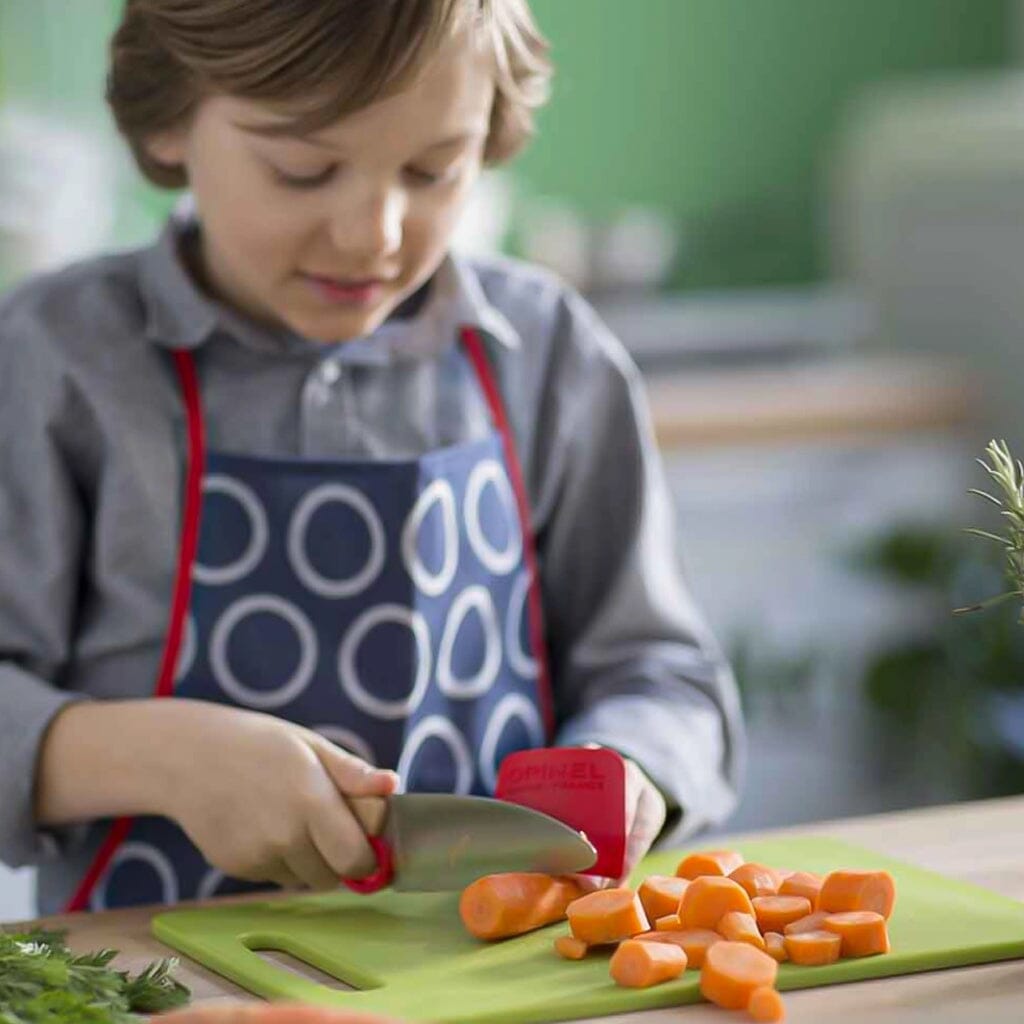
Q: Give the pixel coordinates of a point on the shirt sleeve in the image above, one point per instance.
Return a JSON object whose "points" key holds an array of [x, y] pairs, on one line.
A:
{"points": [[41, 542], [634, 664]]}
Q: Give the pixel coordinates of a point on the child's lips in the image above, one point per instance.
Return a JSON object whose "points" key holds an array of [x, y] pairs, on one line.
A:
{"points": [[347, 292]]}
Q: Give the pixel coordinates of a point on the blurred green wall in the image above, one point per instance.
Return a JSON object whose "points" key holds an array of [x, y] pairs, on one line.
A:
{"points": [[721, 110]]}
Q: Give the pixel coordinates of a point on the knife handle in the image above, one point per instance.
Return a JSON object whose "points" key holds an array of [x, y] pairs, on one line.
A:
{"points": [[370, 812]]}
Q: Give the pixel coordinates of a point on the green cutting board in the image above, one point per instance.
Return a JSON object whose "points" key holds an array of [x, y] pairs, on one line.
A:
{"points": [[409, 957]]}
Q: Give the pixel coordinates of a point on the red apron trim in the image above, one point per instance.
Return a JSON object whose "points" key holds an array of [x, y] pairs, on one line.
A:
{"points": [[475, 347], [195, 459]]}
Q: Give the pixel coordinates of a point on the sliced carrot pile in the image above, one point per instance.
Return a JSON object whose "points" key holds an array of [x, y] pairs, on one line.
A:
{"points": [[661, 895], [642, 964], [709, 898], [766, 1005], [813, 949], [608, 915], [669, 923], [709, 862], [499, 906], [694, 942], [570, 947], [802, 883], [737, 927], [863, 932], [775, 946], [858, 890], [756, 879], [733, 971], [773, 913]]}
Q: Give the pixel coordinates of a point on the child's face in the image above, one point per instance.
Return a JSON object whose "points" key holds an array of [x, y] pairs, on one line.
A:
{"points": [[328, 234]]}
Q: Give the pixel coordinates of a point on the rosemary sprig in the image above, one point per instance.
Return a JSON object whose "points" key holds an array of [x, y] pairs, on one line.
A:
{"points": [[43, 982], [1008, 473]]}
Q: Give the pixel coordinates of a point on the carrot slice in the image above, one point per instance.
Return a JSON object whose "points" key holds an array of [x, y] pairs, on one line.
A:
{"points": [[773, 913], [756, 879], [694, 942], [669, 923], [608, 915], [661, 895], [709, 862], [811, 923], [775, 946], [642, 964], [803, 883], [570, 948], [863, 932], [858, 890], [498, 906], [737, 927], [709, 898], [813, 949], [733, 971], [766, 1005]]}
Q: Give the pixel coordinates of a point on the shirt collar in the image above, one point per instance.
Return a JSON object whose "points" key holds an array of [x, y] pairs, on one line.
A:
{"points": [[180, 315]]}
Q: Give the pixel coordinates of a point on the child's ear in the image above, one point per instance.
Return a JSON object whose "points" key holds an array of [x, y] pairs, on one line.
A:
{"points": [[168, 147]]}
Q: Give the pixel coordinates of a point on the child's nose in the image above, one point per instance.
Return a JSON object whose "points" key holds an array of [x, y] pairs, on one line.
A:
{"points": [[372, 226]]}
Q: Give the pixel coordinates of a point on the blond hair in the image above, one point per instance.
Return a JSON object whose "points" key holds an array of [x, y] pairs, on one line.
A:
{"points": [[317, 60]]}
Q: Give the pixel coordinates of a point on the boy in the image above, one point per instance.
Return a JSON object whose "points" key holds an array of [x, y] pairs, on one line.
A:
{"points": [[372, 515]]}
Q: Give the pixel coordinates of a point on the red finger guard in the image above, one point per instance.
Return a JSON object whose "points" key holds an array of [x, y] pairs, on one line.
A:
{"points": [[581, 787], [384, 873]]}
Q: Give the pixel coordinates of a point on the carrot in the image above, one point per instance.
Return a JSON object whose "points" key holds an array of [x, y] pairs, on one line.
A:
{"points": [[269, 1013], [694, 942], [858, 890], [863, 932], [661, 895], [813, 949], [709, 862], [709, 898], [811, 923], [773, 913], [570, 948], [802, 883], [766, 1005], [498, 906], [732, 972], [668, 923], [642, 964], [775, 946], [757, 879], [737, 927], [607, 915]]}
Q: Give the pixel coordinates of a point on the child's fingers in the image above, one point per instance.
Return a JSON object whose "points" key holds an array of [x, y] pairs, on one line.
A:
{"points": [[352, 775], [340, 839], [306, 862]]}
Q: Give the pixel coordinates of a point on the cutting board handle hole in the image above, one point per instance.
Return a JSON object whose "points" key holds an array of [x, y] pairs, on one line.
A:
{"points": [[279, 959]]}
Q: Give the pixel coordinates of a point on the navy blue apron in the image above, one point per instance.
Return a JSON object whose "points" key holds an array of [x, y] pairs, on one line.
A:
{"points": [[391, 605]]}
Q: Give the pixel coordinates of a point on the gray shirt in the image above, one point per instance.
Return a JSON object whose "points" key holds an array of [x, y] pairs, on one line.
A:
{"points": [[91, 463]]}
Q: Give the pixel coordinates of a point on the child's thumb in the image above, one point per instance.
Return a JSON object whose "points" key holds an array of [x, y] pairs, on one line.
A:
{"points": [[352, 775]]}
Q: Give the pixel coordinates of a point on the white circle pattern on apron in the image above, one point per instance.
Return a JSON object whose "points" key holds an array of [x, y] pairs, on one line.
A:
{"points": [[247, 696], [220, 483], [301, 564], [463, 689], [515, 705], [378, 707], [490, 471], [439, 727], [432, 584], [522, 663], [148, 854]]}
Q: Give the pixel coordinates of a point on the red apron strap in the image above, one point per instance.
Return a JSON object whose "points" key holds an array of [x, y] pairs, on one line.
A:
{"points": [[194, 463], [481, 364]]}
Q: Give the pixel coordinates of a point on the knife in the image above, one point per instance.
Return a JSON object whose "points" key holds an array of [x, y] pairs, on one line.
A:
{"points": [[433, 842]]}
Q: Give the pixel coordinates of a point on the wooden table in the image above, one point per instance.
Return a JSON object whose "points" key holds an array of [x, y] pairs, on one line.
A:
{"points": [[980, 842]]}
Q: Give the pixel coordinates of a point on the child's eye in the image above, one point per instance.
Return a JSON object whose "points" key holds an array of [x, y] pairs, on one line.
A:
{"points": [[303, 181], [422, 177]]}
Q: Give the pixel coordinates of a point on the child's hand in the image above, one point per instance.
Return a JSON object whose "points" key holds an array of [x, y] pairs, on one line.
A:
{"points": [[263, 799], [645, 816]]}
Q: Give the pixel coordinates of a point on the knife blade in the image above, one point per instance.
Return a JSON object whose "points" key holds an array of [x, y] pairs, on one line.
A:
{"points": [[437, 842]]}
